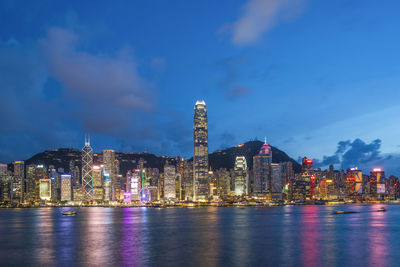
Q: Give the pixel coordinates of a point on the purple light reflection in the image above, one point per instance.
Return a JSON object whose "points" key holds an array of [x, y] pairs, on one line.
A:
{"points": [[310, 236], [132, 245], [377, 235]]}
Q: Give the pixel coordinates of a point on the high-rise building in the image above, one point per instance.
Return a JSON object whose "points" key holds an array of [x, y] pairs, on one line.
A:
{"points": [[188, 180], [307, 166], [87, 163], [241, 177], [45, 189], [36, 174], [66, 187], [200, 152], [307, 175], [354, 182], [78, 193], [107, 186], [6, 185], [276, 181], [110, 167], [133, 183], [262, 169], [180, 190], [98, 190], [3, 168], [19, 180], [30, 183], [169, 182], [223, 182], [377, 182]]}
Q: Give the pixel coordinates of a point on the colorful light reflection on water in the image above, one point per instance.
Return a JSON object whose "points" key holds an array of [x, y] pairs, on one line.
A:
{"points": [[278, 236]]}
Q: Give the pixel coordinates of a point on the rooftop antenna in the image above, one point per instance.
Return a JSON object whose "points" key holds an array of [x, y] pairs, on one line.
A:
{"points": [[265, 138], [87, 140]]}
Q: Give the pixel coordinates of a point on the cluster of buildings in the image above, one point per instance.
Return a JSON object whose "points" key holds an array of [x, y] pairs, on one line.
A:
{"points": [[349, 185], [97, 179]]}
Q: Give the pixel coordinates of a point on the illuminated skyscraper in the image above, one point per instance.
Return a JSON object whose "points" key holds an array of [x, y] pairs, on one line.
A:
{"points": [[19, 180], [45, 189], [98, 190], [87, 162], [262, 169], [200, 149], [241, 177], [133, 184], [223, 182], [169, 182], [66, 187], [109, 167], [354, 182], [377, 182]]}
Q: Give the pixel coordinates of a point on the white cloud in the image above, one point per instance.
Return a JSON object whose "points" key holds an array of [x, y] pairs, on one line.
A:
{"points": [[259, 16], [108, 90]]}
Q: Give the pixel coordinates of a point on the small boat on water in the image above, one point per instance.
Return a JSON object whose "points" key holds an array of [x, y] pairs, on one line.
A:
{"points": [[381, 209], [343, 212], [69, 213]]}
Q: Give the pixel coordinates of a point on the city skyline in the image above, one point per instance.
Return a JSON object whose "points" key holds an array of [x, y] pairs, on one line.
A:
{"points": [[331, 98], [199, 133]]}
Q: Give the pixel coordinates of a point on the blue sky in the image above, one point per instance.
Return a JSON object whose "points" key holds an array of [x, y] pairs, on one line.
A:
{"points": [[307, 74]]}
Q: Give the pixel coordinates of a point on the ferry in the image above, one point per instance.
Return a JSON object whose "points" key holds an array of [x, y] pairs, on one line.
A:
{"points": [[343, 212], [382, 209], [69, 213]]}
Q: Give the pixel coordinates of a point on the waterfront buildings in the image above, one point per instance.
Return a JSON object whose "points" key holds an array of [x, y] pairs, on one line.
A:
{"points": [[223, 177], [377, 183], [87, 163], [45, 189], [241, 176], [262, 170], [276, 181], [133, 183], [188, 180], [169, 182], [18, 181], [66, 187], [110, 167], [98, 183], [354, 183], [200, 152]]}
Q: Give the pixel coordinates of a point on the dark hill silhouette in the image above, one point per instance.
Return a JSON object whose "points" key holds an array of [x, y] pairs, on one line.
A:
{"points": [[225, 158]]}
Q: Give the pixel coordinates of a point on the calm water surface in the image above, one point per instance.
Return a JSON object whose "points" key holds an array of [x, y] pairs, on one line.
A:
{"points": [[276, 236]]}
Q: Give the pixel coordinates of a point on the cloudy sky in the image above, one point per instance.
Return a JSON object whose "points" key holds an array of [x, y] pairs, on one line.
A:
{"points": [[318, 78]]}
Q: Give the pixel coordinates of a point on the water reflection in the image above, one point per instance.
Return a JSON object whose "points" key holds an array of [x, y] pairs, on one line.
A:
{"points": [[310, 236], [96, 236], [281, 236], [44, 236], [377, 235], [288, 236], [133, 243], [66, 240]]}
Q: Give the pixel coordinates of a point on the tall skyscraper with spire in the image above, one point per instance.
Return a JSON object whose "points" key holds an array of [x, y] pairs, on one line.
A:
{"points": [[240, 176], [87, 163], [200, 152], [262, 169]]}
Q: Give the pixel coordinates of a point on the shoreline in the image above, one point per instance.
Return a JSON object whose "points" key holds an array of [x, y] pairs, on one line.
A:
{"points": [[162, 206]]}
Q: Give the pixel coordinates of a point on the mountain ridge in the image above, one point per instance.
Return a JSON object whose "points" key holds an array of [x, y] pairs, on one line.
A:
{"points": [[224, 158]]}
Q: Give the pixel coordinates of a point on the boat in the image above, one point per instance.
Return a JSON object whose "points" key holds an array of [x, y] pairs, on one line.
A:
{"points": [[343, 212], [69, 213], [381, 209]]}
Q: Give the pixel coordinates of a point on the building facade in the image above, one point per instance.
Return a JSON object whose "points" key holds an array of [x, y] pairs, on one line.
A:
{"points": [[169, 182], [66, 187], [87, 163], [200, 152], [241, 176], [262, 170]]}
